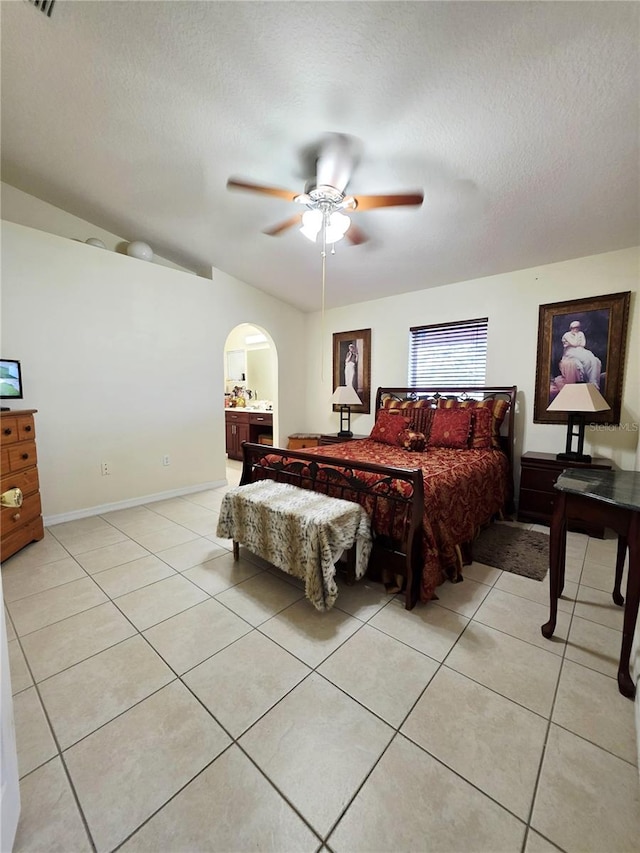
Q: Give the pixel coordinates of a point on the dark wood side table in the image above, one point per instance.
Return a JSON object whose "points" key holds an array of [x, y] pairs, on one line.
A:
{"points": [[610, 499], [300, 440], [538, 474], [334, 438]]}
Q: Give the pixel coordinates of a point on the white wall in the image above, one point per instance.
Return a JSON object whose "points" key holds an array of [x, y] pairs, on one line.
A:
{"points": [[511, 302], [124, 361], [25, 209]]}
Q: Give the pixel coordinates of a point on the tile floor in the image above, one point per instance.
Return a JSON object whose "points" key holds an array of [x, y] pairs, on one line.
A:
{"points": [[167, 699]]}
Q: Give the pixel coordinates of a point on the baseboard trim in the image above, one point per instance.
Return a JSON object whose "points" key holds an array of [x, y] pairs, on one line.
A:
{"points": [[74, 515]]}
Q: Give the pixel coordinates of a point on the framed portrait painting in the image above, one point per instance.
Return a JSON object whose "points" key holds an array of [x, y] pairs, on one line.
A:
{"points": [[352, 366], [582, 340]]}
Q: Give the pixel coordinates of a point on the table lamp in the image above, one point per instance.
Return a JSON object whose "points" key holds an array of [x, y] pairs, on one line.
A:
{"points": [[577, 399], [345, 397]]}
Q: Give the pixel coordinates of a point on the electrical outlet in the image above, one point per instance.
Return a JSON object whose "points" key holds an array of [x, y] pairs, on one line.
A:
{"points": [[105, 468], [165, 460]]}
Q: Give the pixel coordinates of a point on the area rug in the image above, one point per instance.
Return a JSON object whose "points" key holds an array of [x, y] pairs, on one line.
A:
{"points": [[513, 549]]}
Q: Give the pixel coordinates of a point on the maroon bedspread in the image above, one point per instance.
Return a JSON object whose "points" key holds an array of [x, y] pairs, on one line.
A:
{"points": [[463, 489]]}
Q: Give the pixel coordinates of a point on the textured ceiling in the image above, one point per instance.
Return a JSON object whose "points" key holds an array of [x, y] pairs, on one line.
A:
{"points": [[518, 120]]}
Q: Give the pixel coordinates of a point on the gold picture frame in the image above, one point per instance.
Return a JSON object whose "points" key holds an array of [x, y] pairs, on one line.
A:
{"points": [[597, 356], [352, 365]]}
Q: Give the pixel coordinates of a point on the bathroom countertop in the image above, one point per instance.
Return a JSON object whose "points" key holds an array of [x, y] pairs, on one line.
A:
{"points": [[254, 409]]}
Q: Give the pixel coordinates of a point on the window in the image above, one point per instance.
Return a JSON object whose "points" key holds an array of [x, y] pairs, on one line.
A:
{"points": [[449, 354]]}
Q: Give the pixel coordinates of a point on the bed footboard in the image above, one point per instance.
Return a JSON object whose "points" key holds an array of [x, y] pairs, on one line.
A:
{"points": [[393, 498]]}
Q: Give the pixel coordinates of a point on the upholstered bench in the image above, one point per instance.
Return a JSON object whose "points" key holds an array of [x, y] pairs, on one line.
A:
{"points": [[303, 533]]}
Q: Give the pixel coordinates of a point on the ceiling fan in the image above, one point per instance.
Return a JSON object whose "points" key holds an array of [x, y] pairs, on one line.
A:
{"points": [[325, 197]]}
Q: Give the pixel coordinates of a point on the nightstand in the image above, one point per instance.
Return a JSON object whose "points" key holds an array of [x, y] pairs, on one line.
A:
{"points": [[538, 473], [334, 438]]}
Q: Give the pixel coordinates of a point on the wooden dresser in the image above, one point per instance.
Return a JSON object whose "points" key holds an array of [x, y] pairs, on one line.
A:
{"points": [[19, 470]]}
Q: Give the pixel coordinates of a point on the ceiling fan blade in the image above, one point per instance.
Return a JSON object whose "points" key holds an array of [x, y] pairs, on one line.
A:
{"points": [[368, 202], [355, 235], [282, 226], [237, 184]]}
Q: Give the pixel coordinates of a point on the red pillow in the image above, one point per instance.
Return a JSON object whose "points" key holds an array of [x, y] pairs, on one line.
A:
{"points": [[481, 428], [450, 428], [496, 406], [388, 427]]}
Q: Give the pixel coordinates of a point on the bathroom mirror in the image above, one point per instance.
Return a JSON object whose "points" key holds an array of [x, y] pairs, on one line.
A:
{"points": [[260, 373], [236, 365]]}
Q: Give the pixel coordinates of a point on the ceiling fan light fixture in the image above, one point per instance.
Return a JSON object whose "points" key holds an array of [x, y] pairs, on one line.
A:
{"points": [[311, 224], [337, 227]]}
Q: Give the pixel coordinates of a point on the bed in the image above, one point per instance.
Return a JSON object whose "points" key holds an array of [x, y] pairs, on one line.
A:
{"points": [[427, 501]]}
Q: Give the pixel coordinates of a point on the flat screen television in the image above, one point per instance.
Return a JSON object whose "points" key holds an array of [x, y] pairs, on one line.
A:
{"points": [[10, 379]]}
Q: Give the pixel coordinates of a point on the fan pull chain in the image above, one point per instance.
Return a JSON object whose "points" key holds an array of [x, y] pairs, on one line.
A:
{"points": [[323, 254]]}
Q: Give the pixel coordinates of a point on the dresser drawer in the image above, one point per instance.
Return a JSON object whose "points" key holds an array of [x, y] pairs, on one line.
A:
{"points": [[13, 517], [9, 431], [538, 504], [541, 479], [301, 443], [26, 427], [16, 539], [22, 455], [26, 481], [236, 417], [265, 419]]}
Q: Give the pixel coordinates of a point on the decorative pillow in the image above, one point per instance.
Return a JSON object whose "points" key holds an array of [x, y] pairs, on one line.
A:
{"points": [[451, 428], [414, 441], [423, 419], [390, 403], [420, 412], [388, 427], [386, 413], [481, 434], [498, 409]]}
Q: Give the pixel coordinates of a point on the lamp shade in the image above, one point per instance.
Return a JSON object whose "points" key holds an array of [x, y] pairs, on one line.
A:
{"points": [[578, 397], [345, 395]]}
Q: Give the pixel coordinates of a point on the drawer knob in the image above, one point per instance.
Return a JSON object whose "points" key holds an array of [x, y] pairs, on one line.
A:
{"points": [[12, 497], [25, 456], [8, 431], [27, 428], [15, 516]]}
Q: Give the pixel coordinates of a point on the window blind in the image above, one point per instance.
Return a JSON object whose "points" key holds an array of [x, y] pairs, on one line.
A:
{"points": [[449, 354]]}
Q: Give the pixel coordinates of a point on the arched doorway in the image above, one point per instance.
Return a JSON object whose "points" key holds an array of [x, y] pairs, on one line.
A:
{"points": [[251, 389]]}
